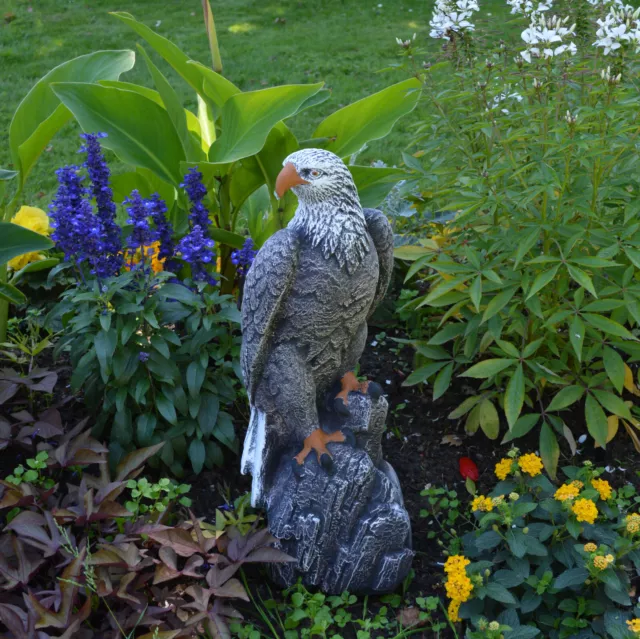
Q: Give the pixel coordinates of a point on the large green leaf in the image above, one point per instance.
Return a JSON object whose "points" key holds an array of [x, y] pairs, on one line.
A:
{"points": [[172, 104], [16, 240], [488, 368], [6, 174], [374, 183], [214, 86], [40, 115], [9, 293], [514, 396], [139, 131], [596, 421], [247, 119], [549, 449], [368, 119]]}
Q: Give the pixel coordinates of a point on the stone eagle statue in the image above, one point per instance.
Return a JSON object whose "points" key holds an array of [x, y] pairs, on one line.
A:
{"points": [[306, 301]]}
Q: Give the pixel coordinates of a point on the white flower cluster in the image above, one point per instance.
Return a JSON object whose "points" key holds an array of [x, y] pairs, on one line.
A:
{"points": [[547, 38], [501, 97], [452, 16], [603, 3], [618, 28], [529, 7]]}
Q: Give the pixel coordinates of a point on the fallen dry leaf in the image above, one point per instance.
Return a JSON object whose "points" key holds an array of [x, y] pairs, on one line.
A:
{"points": [[451, 440]]}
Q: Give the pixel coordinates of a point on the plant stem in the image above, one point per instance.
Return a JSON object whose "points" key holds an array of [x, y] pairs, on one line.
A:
{"points": [[4, 306]]}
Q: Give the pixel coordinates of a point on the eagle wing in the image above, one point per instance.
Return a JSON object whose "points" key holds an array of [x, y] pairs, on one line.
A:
{"points": [[382, 236], [266, 289]]}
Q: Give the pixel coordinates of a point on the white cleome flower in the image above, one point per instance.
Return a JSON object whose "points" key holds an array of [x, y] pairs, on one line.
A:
{"points": [[618, 29], [529, 7], [547, 38], [452, 16]]}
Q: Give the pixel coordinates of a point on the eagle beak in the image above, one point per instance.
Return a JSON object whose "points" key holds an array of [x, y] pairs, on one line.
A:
{"points": [[287, 178]]}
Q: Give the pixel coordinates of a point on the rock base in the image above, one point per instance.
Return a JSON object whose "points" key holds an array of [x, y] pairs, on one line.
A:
{"points": [[348, 529]]}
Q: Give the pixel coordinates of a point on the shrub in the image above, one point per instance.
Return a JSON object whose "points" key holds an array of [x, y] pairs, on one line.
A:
{"points": [[533, 289], [75, 559], [544, 560]]}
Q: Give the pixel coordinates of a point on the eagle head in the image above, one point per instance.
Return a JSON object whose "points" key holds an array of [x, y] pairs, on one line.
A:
{"points": [[316, 176]]}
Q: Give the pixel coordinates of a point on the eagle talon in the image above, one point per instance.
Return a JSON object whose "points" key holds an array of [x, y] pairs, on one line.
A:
{"points": [[375, 391], [317, 442], [350, 384], [326, 461]]}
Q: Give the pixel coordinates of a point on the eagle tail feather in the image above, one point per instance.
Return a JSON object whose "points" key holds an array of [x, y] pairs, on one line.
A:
{"points": [[253, 452]]}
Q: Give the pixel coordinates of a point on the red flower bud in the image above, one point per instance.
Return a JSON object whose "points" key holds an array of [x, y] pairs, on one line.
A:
{"points": [[468, 469]]}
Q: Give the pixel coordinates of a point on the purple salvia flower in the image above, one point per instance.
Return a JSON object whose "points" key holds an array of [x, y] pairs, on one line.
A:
{"points": [[111, 239], [164, 228], [243, 259], [143, 356], [196, 191], [197, 251]]}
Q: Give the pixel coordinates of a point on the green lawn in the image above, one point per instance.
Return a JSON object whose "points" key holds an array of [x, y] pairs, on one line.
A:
{"points": [[344, 43]]}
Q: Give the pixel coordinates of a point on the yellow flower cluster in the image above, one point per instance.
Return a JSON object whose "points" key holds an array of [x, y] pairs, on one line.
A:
{"points": [[503, 468], [585, 510], [602, 563], [35, 220], [458, 585], [566, 491], [151, 251], [590, 547], [634, 625], [530, 464], [633, 523], [603, 487], [484, 504]]}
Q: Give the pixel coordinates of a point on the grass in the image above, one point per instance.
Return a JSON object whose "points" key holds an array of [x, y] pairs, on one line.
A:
{"points": [[344, 43]]}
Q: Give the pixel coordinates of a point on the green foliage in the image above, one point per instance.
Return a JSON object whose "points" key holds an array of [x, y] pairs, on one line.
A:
{"points": [[549, 561], [32, 474], [534, 289], [158, 363], [443, 511], [149, 497]]}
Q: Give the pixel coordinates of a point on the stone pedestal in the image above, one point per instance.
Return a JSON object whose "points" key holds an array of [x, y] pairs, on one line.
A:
{"points": [[348, 529]]}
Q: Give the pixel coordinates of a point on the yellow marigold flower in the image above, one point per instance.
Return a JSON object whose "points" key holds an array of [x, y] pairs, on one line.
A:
{"points": [[566, 491], [33, 218], [36, 220], [151, 251], [530, 464], [603, 487], [503, 468], [600, 563], [590, 547], [634, 625], [454, 607], [481, 503], [585, 510], [456, 563]]}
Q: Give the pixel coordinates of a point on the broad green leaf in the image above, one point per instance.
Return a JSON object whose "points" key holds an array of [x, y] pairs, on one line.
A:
{"points": [[17, 240], [247, 118], [174, 108], [475, 292], [444, 287], [465, 407], [40, 115], [214, 86], [542, 280], [596, 421], [208, 413], [499, 593], [514, 396], [549, 450], [576, 336], [196, 455], [423, 373], [582, 279], [498, 303], [145, 427], [442, 381], [526, 244], [612, 403], [234, 240], [571, 577], [34, 267], [411, 252], [524, 424], [489, 420], [448, 333], [6, 174], [607, 325], [166, 408], [11, 294], [565, 397], [374, 183], [139, 131], [368, 119], [614, 365], [593, 262], [633, 255], [488, 368]]}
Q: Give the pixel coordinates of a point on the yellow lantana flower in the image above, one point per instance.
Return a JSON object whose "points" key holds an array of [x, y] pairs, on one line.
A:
{"points": [[634, 625], [566, 491], [603, 487], [503, 468], [602, 563], [484, 504], [36, 220], [585, 510], [530, 464], [151, 251], [590, 547]]}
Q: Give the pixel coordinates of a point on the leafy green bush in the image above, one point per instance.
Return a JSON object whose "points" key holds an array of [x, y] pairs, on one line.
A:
{"points": [[546, 561], [534, 289]]}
